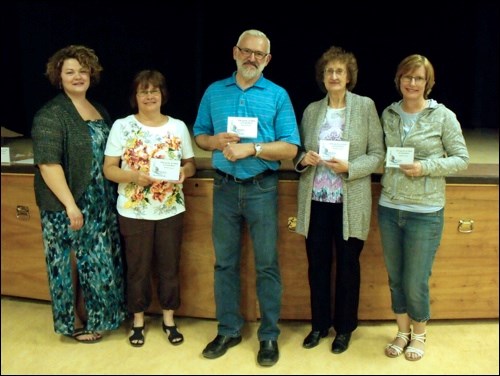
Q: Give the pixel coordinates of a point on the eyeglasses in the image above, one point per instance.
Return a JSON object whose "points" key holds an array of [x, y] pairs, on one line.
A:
{"points": [[330, 71], [418, 80], [247, 52], [145, 93]]}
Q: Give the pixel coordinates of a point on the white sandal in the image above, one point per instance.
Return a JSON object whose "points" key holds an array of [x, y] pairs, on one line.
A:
{"points": [[414, 350], [398, 350]]}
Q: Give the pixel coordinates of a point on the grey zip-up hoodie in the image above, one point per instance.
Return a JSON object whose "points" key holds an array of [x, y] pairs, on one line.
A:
{"points": [[439, 145]]}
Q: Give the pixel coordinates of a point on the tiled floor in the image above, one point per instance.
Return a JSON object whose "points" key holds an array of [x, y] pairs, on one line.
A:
{"points": [[30, 346]]}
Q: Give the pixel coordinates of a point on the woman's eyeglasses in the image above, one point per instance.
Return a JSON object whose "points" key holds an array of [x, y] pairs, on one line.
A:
{"points": [[145, 93]]}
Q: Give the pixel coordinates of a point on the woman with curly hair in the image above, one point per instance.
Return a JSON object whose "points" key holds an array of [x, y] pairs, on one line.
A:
{"points": [[78, 218]]}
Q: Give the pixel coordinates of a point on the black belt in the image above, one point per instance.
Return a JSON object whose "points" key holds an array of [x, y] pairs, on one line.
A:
{"points": [[257, 177]]}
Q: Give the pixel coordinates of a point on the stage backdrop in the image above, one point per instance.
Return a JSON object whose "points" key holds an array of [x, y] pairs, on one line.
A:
{"points": [[191, 43]]}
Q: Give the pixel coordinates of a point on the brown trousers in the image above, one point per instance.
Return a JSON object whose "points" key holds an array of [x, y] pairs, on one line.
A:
{"points": [[152, 246]]}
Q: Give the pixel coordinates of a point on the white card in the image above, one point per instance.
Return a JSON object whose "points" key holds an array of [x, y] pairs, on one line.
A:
{"points": [[245, 127], [5, 155], [165, 169], [398, 155], [329, 149]]}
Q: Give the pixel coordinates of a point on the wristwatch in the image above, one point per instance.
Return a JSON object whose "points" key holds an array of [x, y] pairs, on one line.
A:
{"points": [[258, 149]]}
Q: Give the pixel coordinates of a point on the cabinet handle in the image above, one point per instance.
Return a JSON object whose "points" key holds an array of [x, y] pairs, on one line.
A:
{"points": [[465, 225], [23, 212], [292, 224]]}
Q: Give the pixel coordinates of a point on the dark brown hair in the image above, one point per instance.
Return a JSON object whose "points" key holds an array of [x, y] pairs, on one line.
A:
{"points": [[85, 56], [142, 80]]}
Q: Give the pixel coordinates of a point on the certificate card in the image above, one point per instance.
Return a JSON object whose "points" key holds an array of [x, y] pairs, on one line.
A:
{"points": [[397, 156], [5, 155], [165, 169], [245, 127], [329, 149]]}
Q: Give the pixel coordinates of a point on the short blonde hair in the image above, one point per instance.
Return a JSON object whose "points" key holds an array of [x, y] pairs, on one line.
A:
{"points": [[409, 64]]}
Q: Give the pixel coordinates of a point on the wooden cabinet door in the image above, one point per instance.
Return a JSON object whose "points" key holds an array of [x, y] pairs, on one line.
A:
{"points": [[197, 256], [24, 271], [464, 281]]}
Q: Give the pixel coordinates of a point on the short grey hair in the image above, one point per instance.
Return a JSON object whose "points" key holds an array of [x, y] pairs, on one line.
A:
{"points": [[255, 33]]}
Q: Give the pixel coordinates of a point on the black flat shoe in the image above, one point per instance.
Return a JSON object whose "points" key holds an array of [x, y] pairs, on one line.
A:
{"points": [[268, 353], [341, 343], [312, 339], [219, 346]]}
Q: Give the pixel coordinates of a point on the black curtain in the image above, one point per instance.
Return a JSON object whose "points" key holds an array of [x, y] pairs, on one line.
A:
{"points": [[191, 43]]}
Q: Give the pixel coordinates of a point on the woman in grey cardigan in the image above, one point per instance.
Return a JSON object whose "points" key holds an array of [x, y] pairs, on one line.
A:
{"points": [[342, 146]]}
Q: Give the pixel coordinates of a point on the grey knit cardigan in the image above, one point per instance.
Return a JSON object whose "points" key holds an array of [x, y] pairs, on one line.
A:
{"points": [[61, 136], [366, 155]]}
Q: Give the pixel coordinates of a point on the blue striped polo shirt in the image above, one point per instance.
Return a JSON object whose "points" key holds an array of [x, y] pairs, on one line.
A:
{"points": [[264, 100]]}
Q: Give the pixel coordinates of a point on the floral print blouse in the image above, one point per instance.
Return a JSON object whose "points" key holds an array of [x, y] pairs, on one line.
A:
{"points": [[137, 144]]}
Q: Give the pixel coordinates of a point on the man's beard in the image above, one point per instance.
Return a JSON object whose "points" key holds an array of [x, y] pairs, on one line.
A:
{"points": [[249, 71]]}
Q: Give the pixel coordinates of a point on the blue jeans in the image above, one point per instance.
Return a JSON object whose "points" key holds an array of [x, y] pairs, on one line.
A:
{"points": [[255, 203], [410, 242]]}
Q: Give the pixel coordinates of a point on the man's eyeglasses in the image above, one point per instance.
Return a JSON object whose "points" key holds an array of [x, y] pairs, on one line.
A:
{"points": [[418, 80], [247, 52], [145, 93], [330, 71]]}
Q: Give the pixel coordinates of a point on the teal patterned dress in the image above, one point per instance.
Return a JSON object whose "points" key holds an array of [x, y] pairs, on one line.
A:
{"points": [[97, 248]]}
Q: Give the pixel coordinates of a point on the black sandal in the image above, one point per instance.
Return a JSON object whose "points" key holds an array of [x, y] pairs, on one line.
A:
{"points": [[136, 338], [174, 336], [81, 332]]}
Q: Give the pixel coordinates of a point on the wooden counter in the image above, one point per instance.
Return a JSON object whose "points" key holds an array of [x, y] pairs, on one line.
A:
{"points": [[464, 283]]}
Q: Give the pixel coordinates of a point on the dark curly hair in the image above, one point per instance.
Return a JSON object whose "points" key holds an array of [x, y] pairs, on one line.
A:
{"points": [[85, 56]]}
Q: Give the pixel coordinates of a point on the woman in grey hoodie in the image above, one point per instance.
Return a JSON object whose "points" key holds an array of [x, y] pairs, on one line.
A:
{"points": [[411, 206]]}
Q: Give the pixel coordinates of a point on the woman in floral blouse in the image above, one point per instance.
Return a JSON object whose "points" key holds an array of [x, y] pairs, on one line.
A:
{"points": [[149, 155]]}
